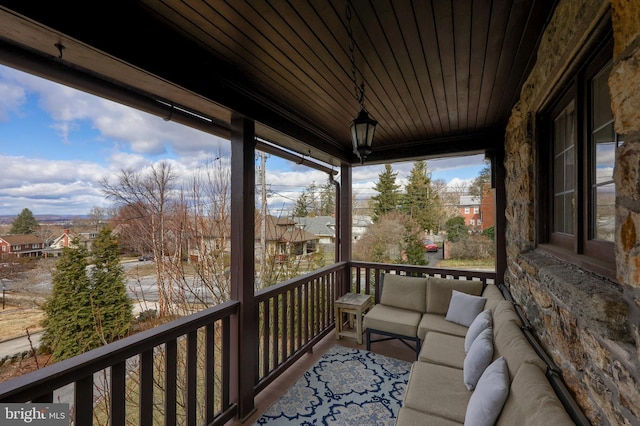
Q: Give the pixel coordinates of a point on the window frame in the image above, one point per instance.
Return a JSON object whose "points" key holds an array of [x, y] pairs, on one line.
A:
{"points": [[597, 256]]}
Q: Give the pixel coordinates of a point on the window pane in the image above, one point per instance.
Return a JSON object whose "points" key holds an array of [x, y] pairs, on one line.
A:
{"points": [[558, 175], [605, 196], [600, 97], [559, 133], [564, 173], [605, 150], [558, 217], [569, 170], [568, 213]]}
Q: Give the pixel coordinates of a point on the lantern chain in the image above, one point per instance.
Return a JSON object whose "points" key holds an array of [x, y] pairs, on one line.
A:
{"points": [[359, 90]]}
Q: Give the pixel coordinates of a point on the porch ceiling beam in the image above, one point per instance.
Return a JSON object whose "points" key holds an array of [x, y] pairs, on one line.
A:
{"points": [[479, 142]]}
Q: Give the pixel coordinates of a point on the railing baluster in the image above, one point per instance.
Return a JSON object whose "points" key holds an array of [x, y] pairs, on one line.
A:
{"points": [[83, 401], [276, 330], [192, 376], [210, 372], [118, 385], [226, 361], [285, 324], [146, 388], [266, 347], [171, 382], [300, 310]]}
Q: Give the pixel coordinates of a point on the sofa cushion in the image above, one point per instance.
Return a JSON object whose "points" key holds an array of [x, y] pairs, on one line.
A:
{"points": [[439, 292], [532, 401], [404, 292], [490, 395], [479, 357], [443, 349], [483, 321], [503, 312], [493, 295], [436, 322], [510, 343], [410, 417], [464, 308], [392, 320], [437, 390]]}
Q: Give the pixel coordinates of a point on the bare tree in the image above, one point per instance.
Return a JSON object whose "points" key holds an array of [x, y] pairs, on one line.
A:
{"points": [[148, 197]]}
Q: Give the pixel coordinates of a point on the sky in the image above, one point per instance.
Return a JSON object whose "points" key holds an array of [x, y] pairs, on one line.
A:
{"points": [[57, 143]]}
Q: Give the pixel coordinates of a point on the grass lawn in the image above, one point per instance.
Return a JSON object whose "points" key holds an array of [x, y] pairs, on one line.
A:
{"points": [[467, 264], [14, 321]]}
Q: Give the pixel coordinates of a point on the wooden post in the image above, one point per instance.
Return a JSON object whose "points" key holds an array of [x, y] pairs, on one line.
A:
{"points": [[346, 223], [499, 174], [245, 324]]}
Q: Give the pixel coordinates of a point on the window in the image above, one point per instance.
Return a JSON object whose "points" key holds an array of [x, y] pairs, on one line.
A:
{"points": [[466, 210], [472, 222], [577, 221], [479, 221], [476, 210]]}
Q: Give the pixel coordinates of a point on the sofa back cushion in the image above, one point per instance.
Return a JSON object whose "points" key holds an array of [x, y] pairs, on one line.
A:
{"points": [[510, 343], [493, 295], [439, 292], [505, 312], [532, 401], [404, 292]]}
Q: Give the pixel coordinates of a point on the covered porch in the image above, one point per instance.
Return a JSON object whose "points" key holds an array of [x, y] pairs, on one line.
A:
{"points": [[507, 79]]}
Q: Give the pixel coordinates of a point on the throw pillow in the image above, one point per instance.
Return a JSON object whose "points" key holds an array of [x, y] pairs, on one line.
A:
{"points": [[464, 308], [490, 395], [479, 357], [479, 324]]}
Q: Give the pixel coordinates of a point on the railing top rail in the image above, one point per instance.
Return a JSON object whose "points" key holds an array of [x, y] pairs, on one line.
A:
{"points": [[426, 270], [68, 371], [265, 293]]}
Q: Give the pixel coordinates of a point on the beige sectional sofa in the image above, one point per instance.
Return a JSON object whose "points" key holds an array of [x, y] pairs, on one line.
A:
{"points": [[474, 364]]}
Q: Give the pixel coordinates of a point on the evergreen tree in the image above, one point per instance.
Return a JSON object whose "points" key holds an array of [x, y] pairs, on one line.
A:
{"points": [[300, 209], [86, 311], [412, 244], [111, 305], [388, 196], [456, 229], [484, 177], [69, 322], [327, 199], [24, 223], [420, 201]]}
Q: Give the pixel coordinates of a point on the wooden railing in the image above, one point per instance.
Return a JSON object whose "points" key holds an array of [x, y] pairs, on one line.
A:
{"points": [[365, 276], [179, 372], [293, 316], [176, 373]]}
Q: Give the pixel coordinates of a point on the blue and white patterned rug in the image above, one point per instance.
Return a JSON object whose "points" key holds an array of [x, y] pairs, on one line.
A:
{"points": [[345, 387]]}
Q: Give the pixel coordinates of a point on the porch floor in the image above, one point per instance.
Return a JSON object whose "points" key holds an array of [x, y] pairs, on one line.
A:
{"points": [[392, 348]]}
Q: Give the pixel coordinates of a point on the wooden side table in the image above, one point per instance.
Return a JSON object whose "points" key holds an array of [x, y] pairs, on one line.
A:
{"points": [[354, 305]]}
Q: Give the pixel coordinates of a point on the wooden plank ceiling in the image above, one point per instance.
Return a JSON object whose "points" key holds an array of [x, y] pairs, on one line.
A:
{"points": [[440, 75]]}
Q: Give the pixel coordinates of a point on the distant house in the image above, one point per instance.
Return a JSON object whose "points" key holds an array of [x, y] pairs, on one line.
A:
{"points": [[323, 227], [284, 238], [27, 245], [66, 240], [478, 212], [359, 226]]}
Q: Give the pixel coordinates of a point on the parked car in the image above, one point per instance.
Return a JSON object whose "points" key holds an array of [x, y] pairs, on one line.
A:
{"points": [[430, 246], [146, 257]]}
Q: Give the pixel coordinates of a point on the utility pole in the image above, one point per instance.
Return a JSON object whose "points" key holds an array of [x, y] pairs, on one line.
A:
{"points": [[263, 214]]}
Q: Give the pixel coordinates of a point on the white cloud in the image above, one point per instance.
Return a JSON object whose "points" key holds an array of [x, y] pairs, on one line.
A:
{"points": [[11, 99]]}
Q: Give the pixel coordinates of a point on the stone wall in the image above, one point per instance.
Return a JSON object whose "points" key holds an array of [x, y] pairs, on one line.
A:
{"points": [[589, 325]]}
